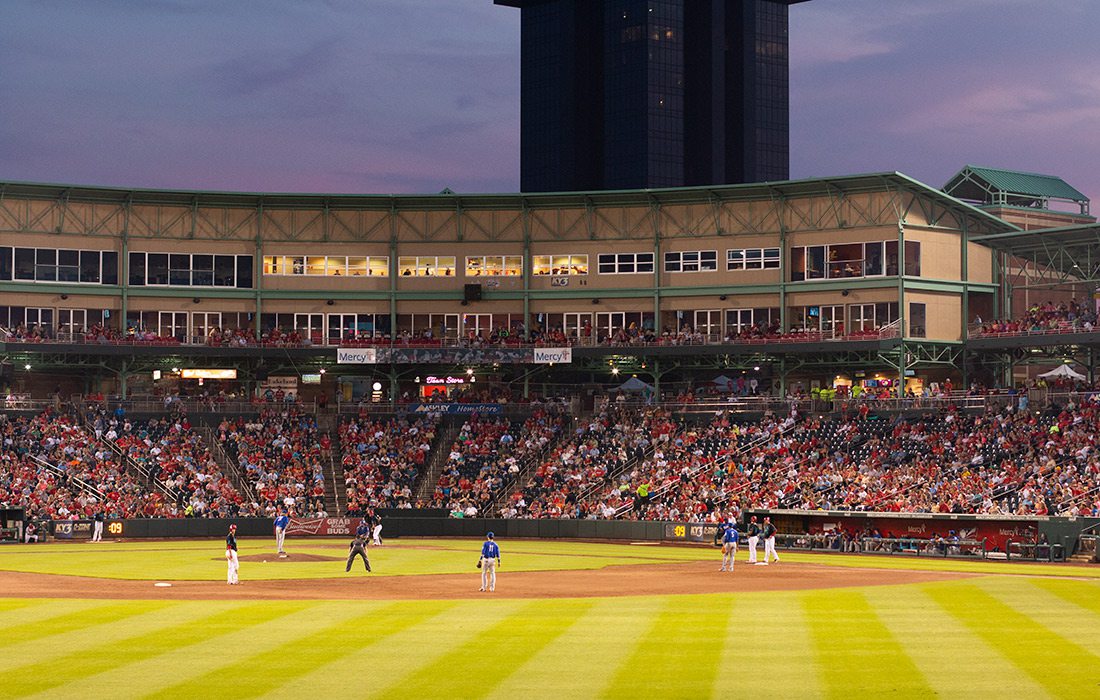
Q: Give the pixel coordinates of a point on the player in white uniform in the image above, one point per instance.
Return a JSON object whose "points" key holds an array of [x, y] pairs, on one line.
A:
{"points": [[489, 561], [231, 560], [754, 538], [377, 530], [769, 541]]}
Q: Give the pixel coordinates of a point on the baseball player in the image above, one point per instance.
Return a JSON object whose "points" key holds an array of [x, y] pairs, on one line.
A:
{"points": [[729, 545], [282, 520], [488, 563], [231, 556], [358, 546], [97, 525], [377, 530], [769, 540], [754, 538]]}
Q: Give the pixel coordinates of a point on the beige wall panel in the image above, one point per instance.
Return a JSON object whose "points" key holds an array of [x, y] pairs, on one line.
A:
{"points": [[491, 225], [980, 262], [337, 248], [319, 283], [737, 278], [437, 306], [865, 234], [678, 220], [192, 246], [832, 298], [633, 281], [292, 224], [239, 223], [623, 223], [943, 314], [59, 241], [558, 224], [940, 253], [320, 306], [151, 221], [359, 225]]}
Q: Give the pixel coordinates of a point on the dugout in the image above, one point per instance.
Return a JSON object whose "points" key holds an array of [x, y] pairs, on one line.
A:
{"points": [[11, 524]]}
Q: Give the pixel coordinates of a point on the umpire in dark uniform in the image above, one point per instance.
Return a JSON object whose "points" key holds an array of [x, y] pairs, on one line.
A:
{"points": [[358, 545]]}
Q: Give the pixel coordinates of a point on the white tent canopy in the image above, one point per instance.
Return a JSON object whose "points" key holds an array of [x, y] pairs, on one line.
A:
{"points": [[634, 384], [1063, 372]]}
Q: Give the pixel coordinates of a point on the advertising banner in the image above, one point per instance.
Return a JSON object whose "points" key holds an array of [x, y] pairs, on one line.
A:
{"points": [[356, 356], [322, 526], [545, 356], [457, 408]]}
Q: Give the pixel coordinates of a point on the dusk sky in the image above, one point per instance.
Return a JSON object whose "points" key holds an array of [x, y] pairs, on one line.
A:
{"points": [[397, 96]]}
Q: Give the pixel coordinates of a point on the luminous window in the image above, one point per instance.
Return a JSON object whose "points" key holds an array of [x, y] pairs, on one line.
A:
{"points": [[559, 265], [327, 265], [494, 265], [691, 261], [426, 266], [625, 263]]}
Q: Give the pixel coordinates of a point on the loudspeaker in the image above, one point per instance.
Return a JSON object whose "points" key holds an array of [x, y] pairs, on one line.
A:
{"points": [[471, 292]]}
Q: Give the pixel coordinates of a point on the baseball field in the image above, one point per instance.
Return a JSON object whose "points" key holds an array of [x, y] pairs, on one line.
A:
{"points": [[568, 620]]}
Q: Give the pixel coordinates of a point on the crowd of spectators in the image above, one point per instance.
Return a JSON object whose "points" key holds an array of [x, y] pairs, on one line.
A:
{"points": [[489, 454], [55, 469], [1072, 316], [176, 457], [281, 453], [382, 458]]}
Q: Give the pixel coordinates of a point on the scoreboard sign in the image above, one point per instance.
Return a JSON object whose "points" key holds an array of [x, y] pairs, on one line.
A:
{"points": [[82, 529], [690, 532]]}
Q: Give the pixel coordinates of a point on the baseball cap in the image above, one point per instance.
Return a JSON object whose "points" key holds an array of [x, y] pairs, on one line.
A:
{"points": [[232, 527], [489, 534]]}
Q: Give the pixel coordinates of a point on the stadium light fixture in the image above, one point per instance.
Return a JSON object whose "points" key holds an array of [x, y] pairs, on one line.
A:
{"points": [[26, 367], [615, 371]]}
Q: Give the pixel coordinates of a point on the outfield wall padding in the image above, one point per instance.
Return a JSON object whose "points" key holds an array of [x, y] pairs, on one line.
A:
{"points": [[1057, 530]]}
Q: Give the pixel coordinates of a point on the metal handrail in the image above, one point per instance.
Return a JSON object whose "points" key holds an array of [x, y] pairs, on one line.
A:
{"points": [[84, 485]]}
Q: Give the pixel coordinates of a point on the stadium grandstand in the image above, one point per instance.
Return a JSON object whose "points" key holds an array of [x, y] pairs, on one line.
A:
{"points": [[860, 343]]}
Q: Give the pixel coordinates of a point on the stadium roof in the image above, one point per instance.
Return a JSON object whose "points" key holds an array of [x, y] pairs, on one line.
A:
{"points": [[1072, 252], [994, 187], [787, 189]]}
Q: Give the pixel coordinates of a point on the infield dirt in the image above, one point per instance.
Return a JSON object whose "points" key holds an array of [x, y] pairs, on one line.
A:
{"points": [[624, 580]]}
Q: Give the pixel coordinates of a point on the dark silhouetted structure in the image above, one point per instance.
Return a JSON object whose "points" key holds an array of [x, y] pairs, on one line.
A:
{"points": [[628, 94]]}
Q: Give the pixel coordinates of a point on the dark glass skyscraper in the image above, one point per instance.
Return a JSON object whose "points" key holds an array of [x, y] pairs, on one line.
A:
{"points": [[630, 94]]}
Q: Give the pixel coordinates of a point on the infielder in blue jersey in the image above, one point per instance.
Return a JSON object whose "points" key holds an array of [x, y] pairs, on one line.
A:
{"points": [[282, 520], [730, 537], [489, 561]]}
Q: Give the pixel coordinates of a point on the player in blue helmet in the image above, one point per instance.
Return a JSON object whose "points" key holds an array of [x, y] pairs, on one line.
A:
{"points": [[488, 563], [730, 536]]}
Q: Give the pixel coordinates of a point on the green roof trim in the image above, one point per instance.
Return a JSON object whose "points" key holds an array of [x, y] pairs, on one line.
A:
{"points": [[994, 186]]}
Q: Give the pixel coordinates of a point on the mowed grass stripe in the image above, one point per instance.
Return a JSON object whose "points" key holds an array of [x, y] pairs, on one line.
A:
{"points": [[372, 667], [475, 667], [1083, 593], [78, 629], [856, 653], [954, 660], [1065, 669], [1074, 623], [60, 616], [767, 651], [131, 677], [297, 646], [677, 656], [576, 663], [102, 652]]}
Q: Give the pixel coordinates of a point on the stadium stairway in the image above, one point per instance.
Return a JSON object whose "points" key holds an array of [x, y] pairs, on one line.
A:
{"points": [[334, 479], [441, 450], [227, 465]]}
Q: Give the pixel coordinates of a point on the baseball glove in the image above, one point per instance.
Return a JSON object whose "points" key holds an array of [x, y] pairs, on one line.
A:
{"points": [[479, 563]]}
